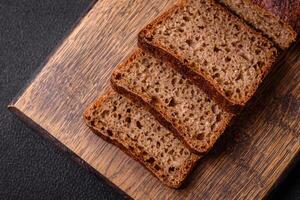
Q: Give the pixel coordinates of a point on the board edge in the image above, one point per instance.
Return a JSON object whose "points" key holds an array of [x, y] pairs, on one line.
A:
{"points": [[74, 157], [283, 175], [37, 71]]}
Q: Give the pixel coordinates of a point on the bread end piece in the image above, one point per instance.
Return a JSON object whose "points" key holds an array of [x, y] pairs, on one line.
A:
{"points": [[278, 20]]}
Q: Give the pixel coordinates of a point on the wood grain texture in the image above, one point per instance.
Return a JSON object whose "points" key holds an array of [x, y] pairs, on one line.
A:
{"points": [[246, 162]]}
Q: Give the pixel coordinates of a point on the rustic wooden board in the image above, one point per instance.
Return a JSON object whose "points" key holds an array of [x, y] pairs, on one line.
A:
{"points": [[245, 164]]}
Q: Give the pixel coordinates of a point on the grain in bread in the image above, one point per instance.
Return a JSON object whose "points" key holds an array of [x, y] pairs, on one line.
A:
{"points": [[135, 130], [275, 18], [212, 46], [182, 106]]}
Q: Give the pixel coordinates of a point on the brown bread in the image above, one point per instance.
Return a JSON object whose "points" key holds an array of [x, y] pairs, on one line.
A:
{"points": [[278, 19], [133, 129], [194, 117], [213, 47]]}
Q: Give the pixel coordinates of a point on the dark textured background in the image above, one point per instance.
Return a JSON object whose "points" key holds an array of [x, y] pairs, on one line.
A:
{"points": [[31, 167]]}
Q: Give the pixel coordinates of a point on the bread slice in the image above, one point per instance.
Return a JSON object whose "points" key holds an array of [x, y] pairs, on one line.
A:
{"points": [[133, 129], [212, 46], [275, 18], [183, 107]]}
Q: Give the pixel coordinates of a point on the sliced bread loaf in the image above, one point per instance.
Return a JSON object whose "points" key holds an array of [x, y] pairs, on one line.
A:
{"points": [[136, 132], [276, 18], [183, 107], [211, 46]]}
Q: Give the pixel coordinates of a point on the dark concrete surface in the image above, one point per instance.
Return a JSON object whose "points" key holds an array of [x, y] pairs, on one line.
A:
{"points": [[31, 167]]}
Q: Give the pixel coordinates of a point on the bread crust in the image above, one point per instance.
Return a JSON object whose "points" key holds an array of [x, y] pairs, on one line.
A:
{"points": [[186, 169], [163, 117], [288, 11], [183, 67]]}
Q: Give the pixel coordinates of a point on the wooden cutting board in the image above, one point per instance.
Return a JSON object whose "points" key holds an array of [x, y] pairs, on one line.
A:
{"points": [[245, 164]]}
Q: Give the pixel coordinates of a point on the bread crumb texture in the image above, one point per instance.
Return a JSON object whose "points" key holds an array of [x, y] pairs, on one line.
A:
{"points": [[269, 23], [215, 44], [198, 119], [120, 120]]}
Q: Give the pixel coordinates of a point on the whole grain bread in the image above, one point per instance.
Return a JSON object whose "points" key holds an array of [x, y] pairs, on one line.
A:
{"points": [[133, 129], [278, 19], [213, 47], [178, 104]]}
